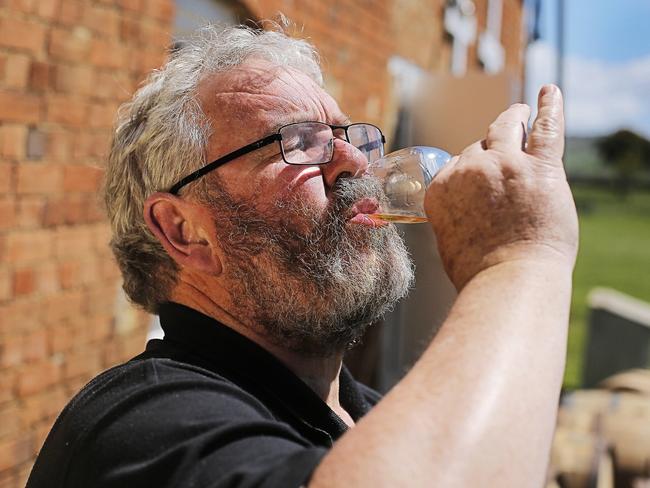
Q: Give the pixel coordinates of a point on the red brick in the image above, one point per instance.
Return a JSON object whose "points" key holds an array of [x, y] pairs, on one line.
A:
{"points": [[9, 478], [21, 315], [17, 71], [35, 345], [28, 246], [130, 30], [16, 451], [81, 147], [59, 145], [102, 115], [70, 45], [7, 213], [131, 5], [73, 241], [24, 281], [102, 21], [41, 75], [103, 297], [100, 328], [96, 211], [42, 405], [156, 36], [7, 382], [24, 6], [19, 107], [59, 337], [101, 236], [13, 140], [47, 9], [146, 60], [63, 307], [105, 54], [19, 34], [10, 351], [78, 272], [55, 212], [70, 12], [109, 270], [108, 83], [66, 110], [75, 79], [24, 470], [48, 279], [69, 273], [75, 209], [38, 376], [84, 362], [162, 10], [31, 210], [100, 142], [6, 178], [36, 178], [5, 285], [10, 420]]}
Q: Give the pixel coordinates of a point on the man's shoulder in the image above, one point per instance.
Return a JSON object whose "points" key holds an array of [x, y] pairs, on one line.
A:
{"points": [[132, 409], [154, 380]]}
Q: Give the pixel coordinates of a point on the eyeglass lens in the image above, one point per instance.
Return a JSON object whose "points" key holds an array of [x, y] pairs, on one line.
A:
{"points": [[312, 142], [367, 139]]}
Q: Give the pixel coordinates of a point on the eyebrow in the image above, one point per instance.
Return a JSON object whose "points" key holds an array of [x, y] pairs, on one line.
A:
{"points": [[342, 120]]}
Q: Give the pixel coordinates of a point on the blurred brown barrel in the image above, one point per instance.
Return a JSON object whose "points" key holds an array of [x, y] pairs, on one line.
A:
{"points": [[604, 435]]}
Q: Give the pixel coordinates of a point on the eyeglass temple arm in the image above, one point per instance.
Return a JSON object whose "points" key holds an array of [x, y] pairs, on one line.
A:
{"points": [[223, 160]]}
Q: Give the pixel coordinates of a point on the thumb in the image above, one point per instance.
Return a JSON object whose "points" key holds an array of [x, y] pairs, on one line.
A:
{"points": [[546, 138]]}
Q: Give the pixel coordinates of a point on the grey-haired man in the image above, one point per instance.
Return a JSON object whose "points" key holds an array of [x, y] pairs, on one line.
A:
{"points": [[264, 266]]}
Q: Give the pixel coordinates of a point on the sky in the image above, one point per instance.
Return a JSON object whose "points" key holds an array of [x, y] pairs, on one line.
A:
{"points": [[607, 64]]}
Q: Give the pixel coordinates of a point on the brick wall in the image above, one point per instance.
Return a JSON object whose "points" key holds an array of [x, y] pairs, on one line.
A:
{"points": [[65, 66]]}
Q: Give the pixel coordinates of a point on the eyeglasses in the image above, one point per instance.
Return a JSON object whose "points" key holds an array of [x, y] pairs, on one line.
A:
{"points": [[304, 143]]}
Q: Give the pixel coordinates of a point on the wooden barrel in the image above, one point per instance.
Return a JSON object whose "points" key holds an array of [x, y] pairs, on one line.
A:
{"points": [[604, 432]]}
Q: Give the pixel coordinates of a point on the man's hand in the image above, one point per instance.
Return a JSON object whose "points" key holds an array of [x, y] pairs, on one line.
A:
{"points": [[502, 199]]}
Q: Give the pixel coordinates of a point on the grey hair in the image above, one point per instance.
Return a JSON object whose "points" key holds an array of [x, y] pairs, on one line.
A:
{"points": [[161, 135]]}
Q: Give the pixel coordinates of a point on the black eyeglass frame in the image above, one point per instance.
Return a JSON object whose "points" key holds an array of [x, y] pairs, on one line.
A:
{"points": [[253, 146]]}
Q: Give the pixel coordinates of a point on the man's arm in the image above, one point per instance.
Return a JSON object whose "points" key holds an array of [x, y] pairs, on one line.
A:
{"points": [[478, 408]]}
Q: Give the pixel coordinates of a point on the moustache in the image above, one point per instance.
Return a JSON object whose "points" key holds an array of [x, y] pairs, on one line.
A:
{"points": [[347, 191]]}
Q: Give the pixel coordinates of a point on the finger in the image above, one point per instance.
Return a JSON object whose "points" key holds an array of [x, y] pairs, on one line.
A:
{"points": [[546, 138], [507, 132], [476, 148]]}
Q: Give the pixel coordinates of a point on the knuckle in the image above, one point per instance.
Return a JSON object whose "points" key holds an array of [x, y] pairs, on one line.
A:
{"points": [[500, 125], [548, 125]]}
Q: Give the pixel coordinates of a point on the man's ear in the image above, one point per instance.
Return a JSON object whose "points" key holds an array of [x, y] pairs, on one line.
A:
{"points": [[185, 230]]}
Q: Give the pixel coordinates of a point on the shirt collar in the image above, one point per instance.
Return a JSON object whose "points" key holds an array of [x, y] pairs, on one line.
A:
{"points": [[235, 356]]}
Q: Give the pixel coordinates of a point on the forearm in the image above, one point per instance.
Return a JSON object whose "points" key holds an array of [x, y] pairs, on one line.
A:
{"points": [[479, 407]]}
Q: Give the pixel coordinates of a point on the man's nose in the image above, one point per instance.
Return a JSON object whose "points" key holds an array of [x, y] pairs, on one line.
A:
{"points": [[347, 162]]}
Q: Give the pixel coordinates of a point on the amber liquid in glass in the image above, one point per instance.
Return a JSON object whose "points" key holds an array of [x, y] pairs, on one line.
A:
{"points": [[402, 219]]}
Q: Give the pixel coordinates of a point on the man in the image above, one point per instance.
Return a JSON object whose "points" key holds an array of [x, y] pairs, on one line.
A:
{"points": [[264, 266]]}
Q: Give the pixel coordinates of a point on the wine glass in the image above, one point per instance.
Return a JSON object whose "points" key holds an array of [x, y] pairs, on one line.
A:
{"points": [[405, 176]]}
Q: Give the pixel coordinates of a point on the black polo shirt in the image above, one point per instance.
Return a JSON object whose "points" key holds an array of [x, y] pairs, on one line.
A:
{"points": [[204, 407]]}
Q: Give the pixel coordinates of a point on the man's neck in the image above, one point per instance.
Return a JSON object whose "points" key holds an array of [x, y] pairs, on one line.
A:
{"points": [[321, 374]]}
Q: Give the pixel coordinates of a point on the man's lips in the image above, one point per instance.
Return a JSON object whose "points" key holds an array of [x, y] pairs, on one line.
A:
{"points": [[360, 211]]}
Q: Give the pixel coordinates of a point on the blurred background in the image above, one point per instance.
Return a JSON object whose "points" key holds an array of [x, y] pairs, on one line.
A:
{"points": [[429, 72]]}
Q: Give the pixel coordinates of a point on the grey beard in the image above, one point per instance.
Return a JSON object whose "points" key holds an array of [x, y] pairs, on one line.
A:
{"points": [[311, 285]]}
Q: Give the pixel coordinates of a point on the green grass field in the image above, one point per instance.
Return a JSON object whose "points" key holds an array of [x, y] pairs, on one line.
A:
{"points": [[614, 252]]}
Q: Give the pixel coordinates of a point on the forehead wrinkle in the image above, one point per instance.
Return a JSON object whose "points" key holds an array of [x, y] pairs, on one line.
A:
{"points": [[317, 95]]}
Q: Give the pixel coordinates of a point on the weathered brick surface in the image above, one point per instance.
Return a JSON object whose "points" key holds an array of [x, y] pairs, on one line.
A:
{"points": [[65, 67]]}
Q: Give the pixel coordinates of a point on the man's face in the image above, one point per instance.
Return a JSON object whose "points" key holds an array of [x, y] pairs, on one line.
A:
{"points": [[298, 270]]}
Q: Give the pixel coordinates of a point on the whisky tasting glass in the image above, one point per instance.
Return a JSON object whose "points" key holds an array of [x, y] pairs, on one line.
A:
{"points": [[405, 176]]}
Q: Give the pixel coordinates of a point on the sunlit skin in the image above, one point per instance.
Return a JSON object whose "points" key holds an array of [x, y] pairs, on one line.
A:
{"points": [[248, 103]]}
